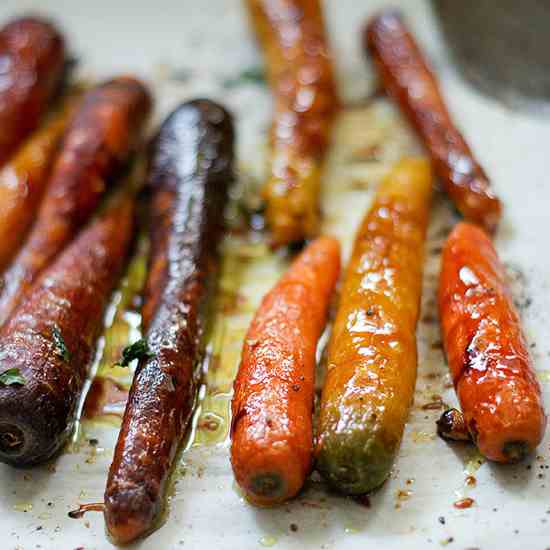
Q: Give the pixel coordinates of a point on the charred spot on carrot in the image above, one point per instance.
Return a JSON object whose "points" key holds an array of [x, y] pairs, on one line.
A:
{"points": [[452, 426]]}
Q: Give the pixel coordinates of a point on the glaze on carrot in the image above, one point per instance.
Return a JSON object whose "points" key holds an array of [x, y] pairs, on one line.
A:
{"points": [[23, 181], [372, 361], [488, 357], [408, 79], [272, 433], [32, 54], [190, 173], [293, 38], [103, 133], [51, 337]]}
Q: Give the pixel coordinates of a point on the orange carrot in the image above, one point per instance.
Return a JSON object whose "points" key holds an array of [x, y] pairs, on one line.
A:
{"points": [[299, 67], [272, 433], [372, 356], [488, 357]]}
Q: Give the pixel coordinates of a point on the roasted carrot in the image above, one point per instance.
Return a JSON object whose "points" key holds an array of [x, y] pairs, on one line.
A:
{"points": [[292, 35], [486, 349], [32, 54], [50, 338], [372, 350], [102, 134], [23, 181], [408, 79], [190, 172], [272, 433]]}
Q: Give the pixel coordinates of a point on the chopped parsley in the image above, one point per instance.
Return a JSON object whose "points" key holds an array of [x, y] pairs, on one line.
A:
{"points": [[138, 350], [59, 342], [12, 376], [252, 75]]}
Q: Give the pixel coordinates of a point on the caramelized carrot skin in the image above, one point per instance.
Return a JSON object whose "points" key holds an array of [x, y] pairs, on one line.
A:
{"points": [[486, 349], [23, 181], [33, 58], [372, 360], [272, 433], [292, 35], [70, 296], [103, 133], [190, 172], [408, 79]]}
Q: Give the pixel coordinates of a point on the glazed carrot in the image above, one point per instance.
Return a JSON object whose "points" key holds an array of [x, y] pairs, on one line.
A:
{"points": [[23, 181], [51, 337], [292, 35], [32, 56], [408, 79], [101, 136], [372, 351], [190, 172], [486, 349], [272, 435]]}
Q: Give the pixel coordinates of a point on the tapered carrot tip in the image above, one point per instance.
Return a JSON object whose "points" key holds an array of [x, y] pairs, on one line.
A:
{"points": [[12, 439], [130, 516]]}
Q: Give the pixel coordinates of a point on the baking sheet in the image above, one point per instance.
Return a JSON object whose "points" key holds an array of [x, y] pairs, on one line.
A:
{"points": [[186, 49]]}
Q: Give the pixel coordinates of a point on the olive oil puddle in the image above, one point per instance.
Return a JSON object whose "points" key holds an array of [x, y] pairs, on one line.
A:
{"points": [[107, 389]]}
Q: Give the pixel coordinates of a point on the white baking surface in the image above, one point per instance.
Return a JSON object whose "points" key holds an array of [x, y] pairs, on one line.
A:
{"points": [[209, 40]]}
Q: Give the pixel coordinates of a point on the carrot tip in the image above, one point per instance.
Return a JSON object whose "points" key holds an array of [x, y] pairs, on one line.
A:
{"points": [[12, 439], [267, 485], [515, 451]]}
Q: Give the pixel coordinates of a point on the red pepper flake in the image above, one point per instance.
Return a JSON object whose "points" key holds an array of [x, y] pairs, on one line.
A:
{"points": [[464, 503]]}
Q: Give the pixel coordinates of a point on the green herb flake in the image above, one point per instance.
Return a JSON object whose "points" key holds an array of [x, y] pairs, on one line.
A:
{"points": [[252, 75], [59, 342], [12, 376], [138, 350]]}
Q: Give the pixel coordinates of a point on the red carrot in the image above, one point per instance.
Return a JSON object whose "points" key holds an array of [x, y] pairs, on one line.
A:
{"points": [[408, 79]]}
